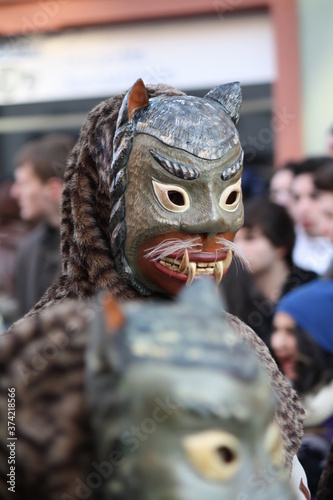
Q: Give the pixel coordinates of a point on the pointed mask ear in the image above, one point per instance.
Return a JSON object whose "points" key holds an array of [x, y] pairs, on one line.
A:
{"points": [[230, 98], [135, 98], [113, 314]]}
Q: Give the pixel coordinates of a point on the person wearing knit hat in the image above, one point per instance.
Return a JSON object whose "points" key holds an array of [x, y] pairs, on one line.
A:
{"points": [[311, 306], [302, 344]]}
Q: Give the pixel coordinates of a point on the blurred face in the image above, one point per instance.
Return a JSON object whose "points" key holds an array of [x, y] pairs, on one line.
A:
{"points": [[257, 248], [303, 206], [30, 192], [330, 144], [325, 204], [280, 187], [283, 343]]}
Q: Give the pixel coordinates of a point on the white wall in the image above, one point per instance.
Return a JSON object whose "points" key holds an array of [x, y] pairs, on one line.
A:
{"points": [[188, 54], [316, 49]]}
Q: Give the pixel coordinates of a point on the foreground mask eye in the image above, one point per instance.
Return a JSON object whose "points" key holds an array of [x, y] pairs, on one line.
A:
{"points": [[213, 454], [173, 198], [273, 444]]}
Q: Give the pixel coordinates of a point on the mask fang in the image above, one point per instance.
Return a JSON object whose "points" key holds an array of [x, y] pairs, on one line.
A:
{"points": [[192, 269], [218, 271], [184, 263]]}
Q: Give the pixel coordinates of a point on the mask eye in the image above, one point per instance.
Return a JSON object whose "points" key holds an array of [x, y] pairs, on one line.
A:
{"points": [[231, 197], [213, 454], [172, 198], [273, 444]]}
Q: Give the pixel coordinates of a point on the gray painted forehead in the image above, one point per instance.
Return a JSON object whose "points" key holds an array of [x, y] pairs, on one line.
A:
{"points": [[196, 125], [190, 332]]}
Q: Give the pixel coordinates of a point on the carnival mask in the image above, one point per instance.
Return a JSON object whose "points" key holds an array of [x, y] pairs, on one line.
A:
{"points": [[176, 187], [182, 408]]}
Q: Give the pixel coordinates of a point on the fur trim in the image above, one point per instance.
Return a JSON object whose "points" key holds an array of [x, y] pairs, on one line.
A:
{"points": [[88, 264]]}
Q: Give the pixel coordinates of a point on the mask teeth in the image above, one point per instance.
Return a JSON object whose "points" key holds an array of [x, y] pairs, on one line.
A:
{"points": [[184, 263], [227, 261], [192, 269], [218, 271]]}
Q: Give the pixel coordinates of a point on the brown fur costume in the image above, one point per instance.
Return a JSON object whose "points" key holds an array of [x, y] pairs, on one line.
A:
{"points": [[88, 265], [52, 427]]}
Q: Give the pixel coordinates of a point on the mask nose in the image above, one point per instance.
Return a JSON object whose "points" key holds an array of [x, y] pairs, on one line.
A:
{"points": [[213, 219], [207, 224]]}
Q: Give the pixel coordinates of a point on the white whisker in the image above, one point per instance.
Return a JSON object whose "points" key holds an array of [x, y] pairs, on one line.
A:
{"points": [[171, 246], [238, 254]]}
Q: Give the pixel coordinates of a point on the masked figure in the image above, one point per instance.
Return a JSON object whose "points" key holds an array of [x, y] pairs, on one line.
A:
{"points": [[182, 205], [151, 202], [152, 195], [181, 407]]}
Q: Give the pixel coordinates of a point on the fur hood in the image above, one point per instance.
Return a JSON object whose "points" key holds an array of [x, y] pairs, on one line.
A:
{"points": [[87, 262]]}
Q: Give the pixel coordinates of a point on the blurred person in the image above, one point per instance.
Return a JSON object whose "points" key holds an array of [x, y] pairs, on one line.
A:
{"points": [[312, 250], [267, 239], [253, 183], [280, 186], [323, 181], [302, 343], [12, 231], [39, 171], [325, 486], [329, 142]]}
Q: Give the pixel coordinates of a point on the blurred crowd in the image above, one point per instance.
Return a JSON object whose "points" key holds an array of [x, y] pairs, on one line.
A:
{"points": [[30, 206], [287, 297]]}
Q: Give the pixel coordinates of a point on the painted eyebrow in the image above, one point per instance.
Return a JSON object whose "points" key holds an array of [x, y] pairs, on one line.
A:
{"points": [[219, 411], [231, 171], [176, 169]]}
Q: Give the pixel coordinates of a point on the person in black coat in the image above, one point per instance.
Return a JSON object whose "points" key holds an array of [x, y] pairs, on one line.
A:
{"points": [[267, 239]]}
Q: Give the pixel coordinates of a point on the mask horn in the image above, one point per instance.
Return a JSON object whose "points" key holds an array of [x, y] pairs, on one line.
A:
{"points": [[113, 314], [230, 98], [136, 98]]}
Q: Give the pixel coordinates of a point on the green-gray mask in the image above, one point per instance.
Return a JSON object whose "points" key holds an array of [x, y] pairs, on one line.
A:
{"points": [[176, 171]]}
